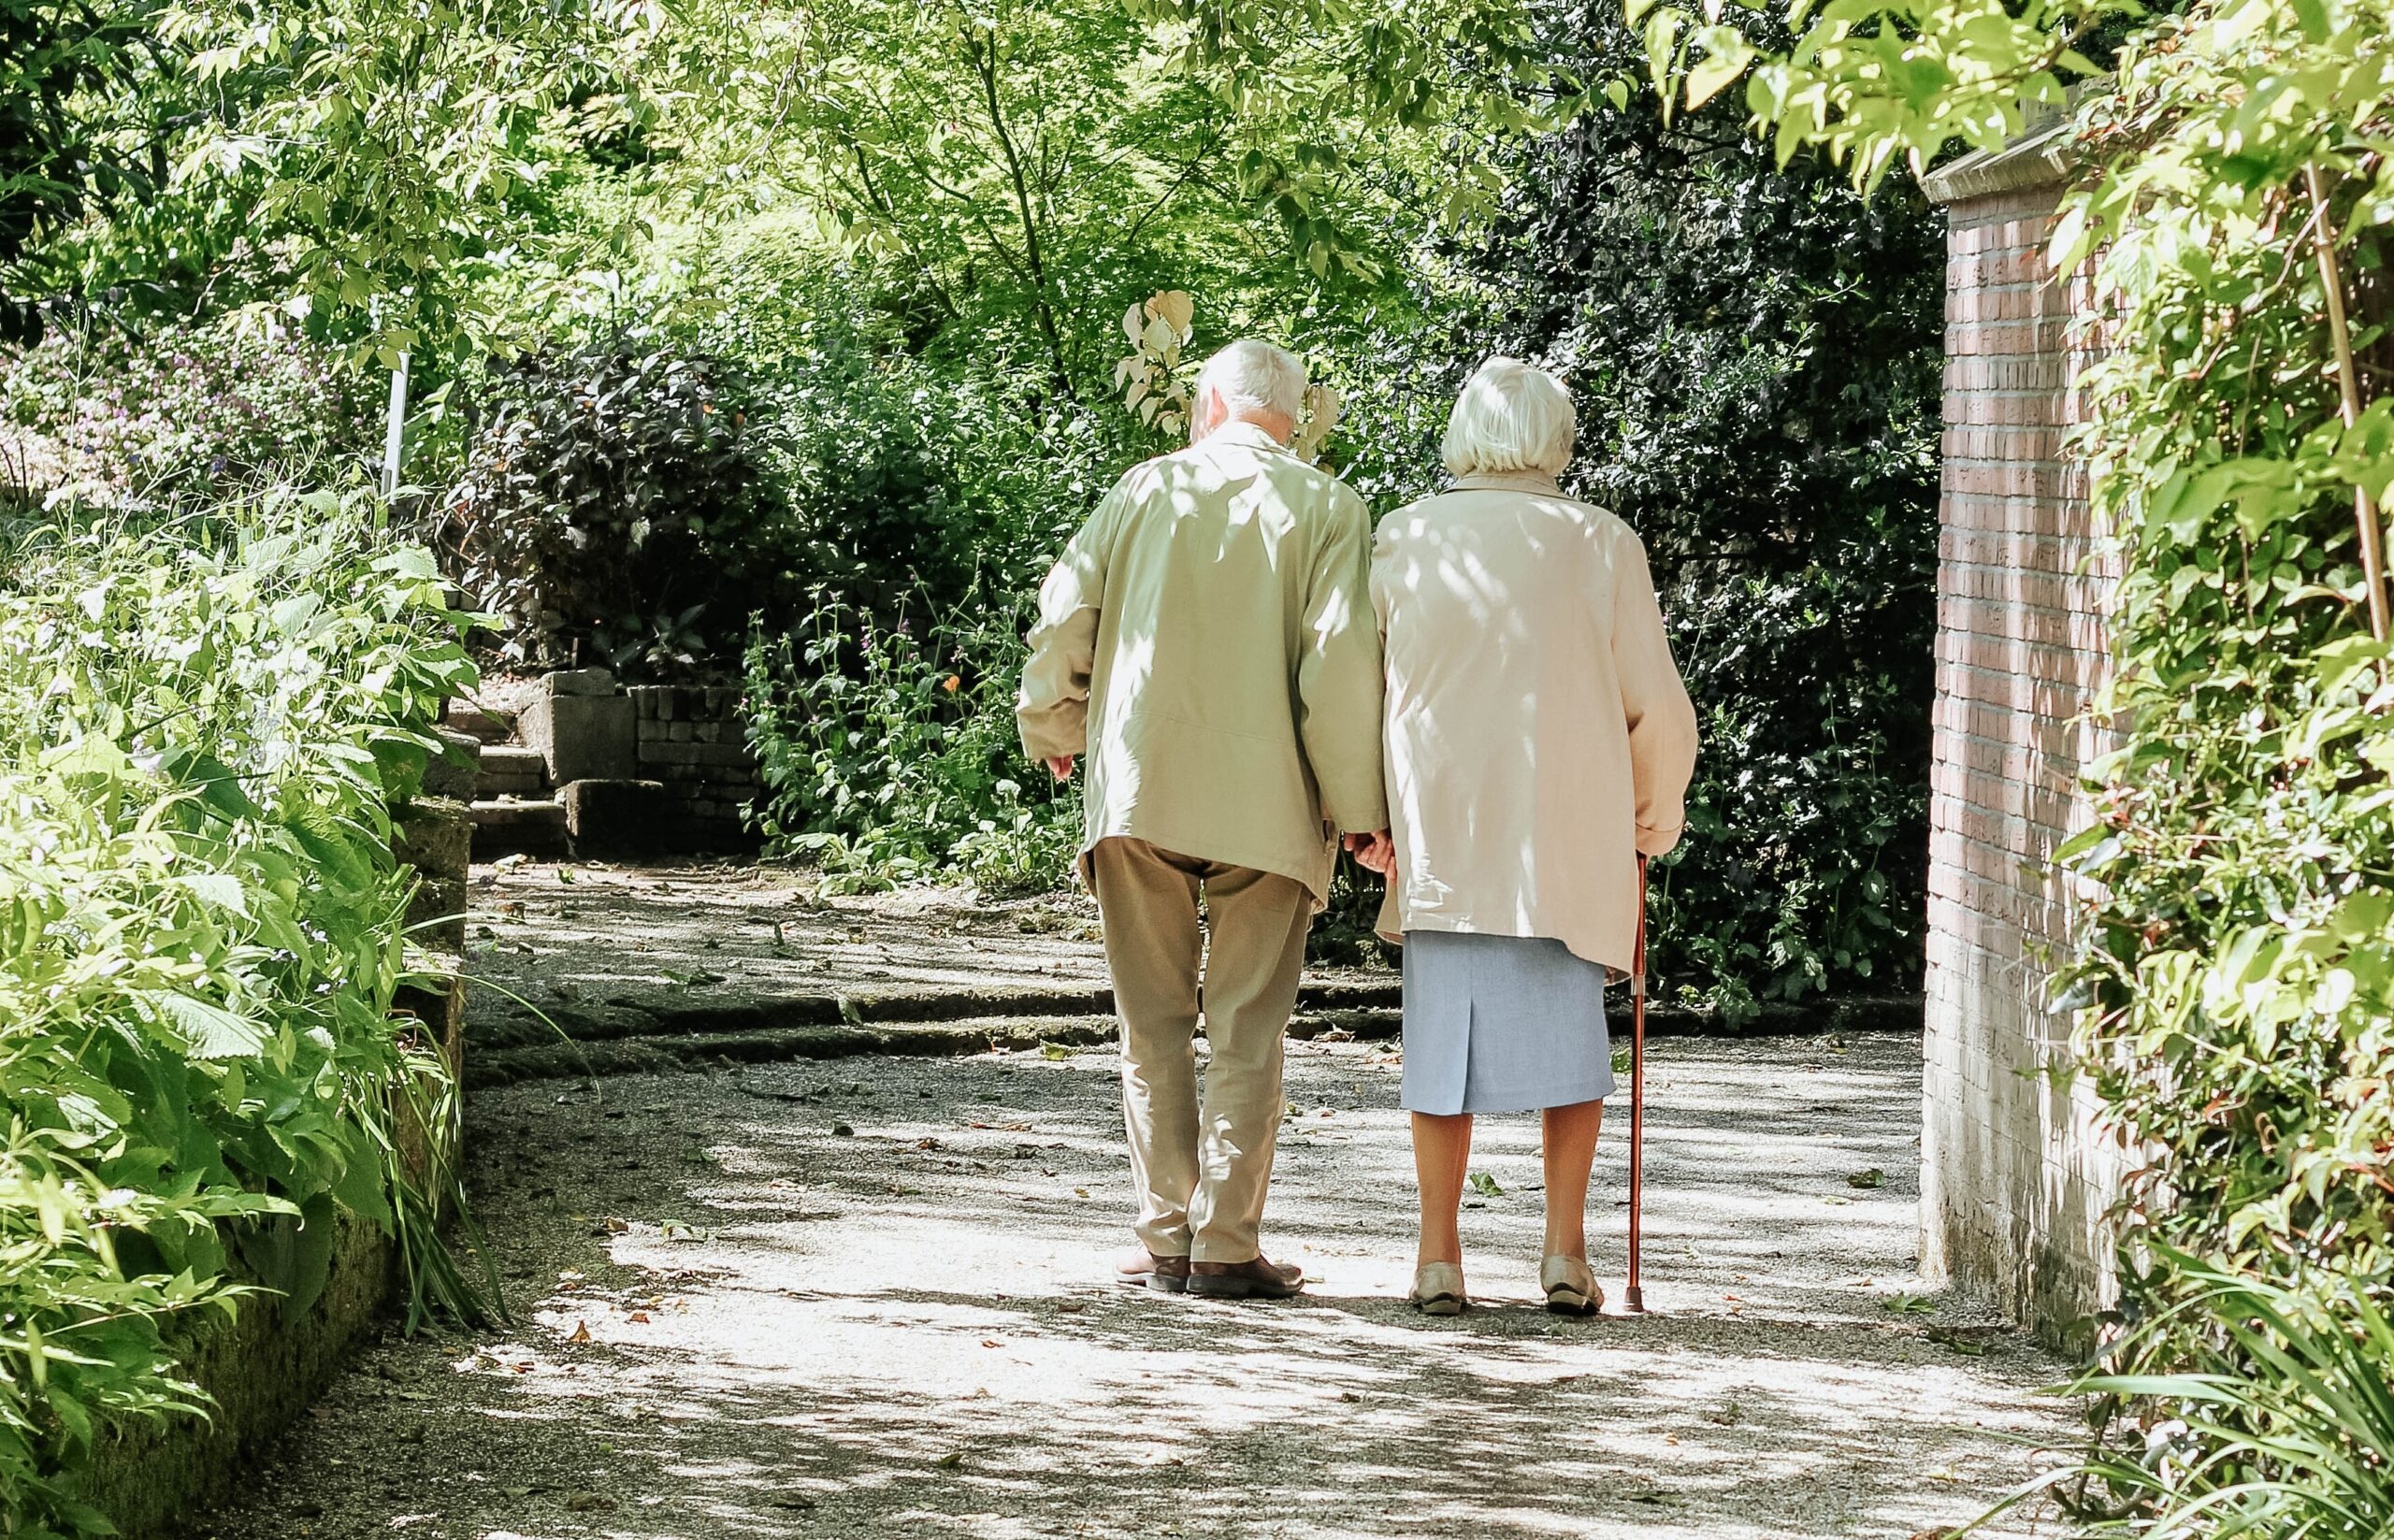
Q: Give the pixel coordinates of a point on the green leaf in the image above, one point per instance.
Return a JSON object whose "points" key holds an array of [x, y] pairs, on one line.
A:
{"points": [[210, 1032]]}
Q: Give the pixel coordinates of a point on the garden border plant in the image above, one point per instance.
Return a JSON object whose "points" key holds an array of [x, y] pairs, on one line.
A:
{"points": [[204, 724], [2236, 982]]}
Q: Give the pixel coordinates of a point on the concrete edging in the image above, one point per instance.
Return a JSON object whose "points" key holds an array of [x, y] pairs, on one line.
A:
{"points": [[935, 1023]]}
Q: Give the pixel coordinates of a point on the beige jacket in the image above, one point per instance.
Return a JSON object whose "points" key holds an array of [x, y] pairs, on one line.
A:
{"points": [[1538, 736], [1207, 642]]}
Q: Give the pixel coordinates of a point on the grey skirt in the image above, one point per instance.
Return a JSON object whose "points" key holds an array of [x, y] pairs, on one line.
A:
{"points": [[1501, 1023]]}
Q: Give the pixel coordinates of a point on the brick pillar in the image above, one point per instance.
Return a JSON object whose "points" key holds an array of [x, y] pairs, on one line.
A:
{"points": [[2015, 1179]]}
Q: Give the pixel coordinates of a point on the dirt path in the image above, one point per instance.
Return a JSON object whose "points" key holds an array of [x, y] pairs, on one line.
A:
{"points": [[868, 1299]]}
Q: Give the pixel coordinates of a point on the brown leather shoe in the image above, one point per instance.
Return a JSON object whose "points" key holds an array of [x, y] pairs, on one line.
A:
{"points": [[1253, 1280], [1143, 1268]]}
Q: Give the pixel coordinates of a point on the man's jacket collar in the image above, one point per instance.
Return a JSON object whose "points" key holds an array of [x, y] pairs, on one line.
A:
{"points": [[1245, 434]]}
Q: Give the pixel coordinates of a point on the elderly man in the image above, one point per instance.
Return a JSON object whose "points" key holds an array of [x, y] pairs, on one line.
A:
{"points": [[1208, 641]]}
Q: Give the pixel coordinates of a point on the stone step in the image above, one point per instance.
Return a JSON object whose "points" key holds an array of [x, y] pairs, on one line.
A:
{"points": [[507, 826], [455, 772], [514, 758], [510, 768], [489, 726]]}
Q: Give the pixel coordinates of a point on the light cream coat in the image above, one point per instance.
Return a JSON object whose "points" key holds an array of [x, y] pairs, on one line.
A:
{"points": [[1208, 643], [1538, 736]]}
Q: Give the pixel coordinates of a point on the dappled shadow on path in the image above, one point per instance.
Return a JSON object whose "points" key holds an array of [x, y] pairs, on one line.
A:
{"points": [[746, 1323]]}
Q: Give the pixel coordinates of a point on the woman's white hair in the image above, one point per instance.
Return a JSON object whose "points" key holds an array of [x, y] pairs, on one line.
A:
{"points": [[1509, 417], [1250, 375]]}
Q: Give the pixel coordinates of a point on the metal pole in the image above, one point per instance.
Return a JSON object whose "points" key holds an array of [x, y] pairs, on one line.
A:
{"points": [[391, 433], [1633, 1297]]}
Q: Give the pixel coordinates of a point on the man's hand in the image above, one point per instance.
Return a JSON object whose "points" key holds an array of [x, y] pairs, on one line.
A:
{"points": [[1061, 766], [1373, 851]]}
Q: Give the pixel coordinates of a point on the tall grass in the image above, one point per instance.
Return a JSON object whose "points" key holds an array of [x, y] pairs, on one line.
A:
{"points": [[2282, 1425]]}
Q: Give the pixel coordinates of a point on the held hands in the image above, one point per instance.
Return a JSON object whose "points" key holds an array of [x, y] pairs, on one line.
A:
{"points": [[1061, 766], [1373, 851]]}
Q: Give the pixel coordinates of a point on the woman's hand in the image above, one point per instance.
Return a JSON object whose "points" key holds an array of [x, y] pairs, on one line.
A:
{"points": [[1373, 851]]}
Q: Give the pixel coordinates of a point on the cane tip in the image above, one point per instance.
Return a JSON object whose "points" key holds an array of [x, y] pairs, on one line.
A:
{"points": [[1633, 1301]]}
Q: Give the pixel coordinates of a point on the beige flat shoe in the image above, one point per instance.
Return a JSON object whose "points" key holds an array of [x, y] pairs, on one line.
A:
{"points": [[1438, 1290], [1570, 1288]]}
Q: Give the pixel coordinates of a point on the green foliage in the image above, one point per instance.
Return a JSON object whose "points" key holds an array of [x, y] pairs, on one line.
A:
{"points": [[1756, 355], [641, 494], [1008, 177], [2286, 1414], [1009, 160], [890, 759], [2240, 971], [52, 56], [201, 729], [185, 416], [2237, 981], [875, 465], [367, 166], [1318, 90], [1876, 82], [603, 501]]}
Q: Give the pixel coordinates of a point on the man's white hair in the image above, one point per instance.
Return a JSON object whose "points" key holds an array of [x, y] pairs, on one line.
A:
{"points": [[1509, 417], [1251, 376]]}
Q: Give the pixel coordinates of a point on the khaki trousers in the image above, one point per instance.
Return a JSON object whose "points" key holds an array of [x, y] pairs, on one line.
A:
{"points": [[1200, 1169]]}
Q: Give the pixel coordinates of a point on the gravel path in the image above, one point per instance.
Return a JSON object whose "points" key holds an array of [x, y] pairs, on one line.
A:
{"points": [[868, 1299]]}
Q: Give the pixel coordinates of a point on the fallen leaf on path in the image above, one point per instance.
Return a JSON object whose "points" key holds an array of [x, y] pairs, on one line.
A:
{"points": [[991, 1342], [640, 1318], [1873, 1177], [950, 1461], [581, 1332]]}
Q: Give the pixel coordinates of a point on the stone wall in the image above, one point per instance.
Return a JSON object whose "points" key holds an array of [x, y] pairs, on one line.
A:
{"points": [[695, 741], [2015, 1181], [639, 772]]}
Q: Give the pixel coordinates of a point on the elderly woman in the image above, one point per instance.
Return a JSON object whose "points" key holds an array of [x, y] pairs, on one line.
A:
{"points": [[1540, 743]]}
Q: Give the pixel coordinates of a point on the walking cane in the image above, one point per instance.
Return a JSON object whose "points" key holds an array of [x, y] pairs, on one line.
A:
{"points": [[1632, 1298]]}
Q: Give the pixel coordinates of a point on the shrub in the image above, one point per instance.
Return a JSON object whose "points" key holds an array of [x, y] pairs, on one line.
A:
{"points": [[2238, 967], [855, 445], [636, 497], [201, 728], [604, 486], [185, 416], [889, 759]]}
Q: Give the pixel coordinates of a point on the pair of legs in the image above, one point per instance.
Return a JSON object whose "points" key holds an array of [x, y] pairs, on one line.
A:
{"points": [[1201, 1165], [1442, 1157]]}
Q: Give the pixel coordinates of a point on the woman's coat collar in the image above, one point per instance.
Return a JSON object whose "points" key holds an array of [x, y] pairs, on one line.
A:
{"points": [[1508, 481]]}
